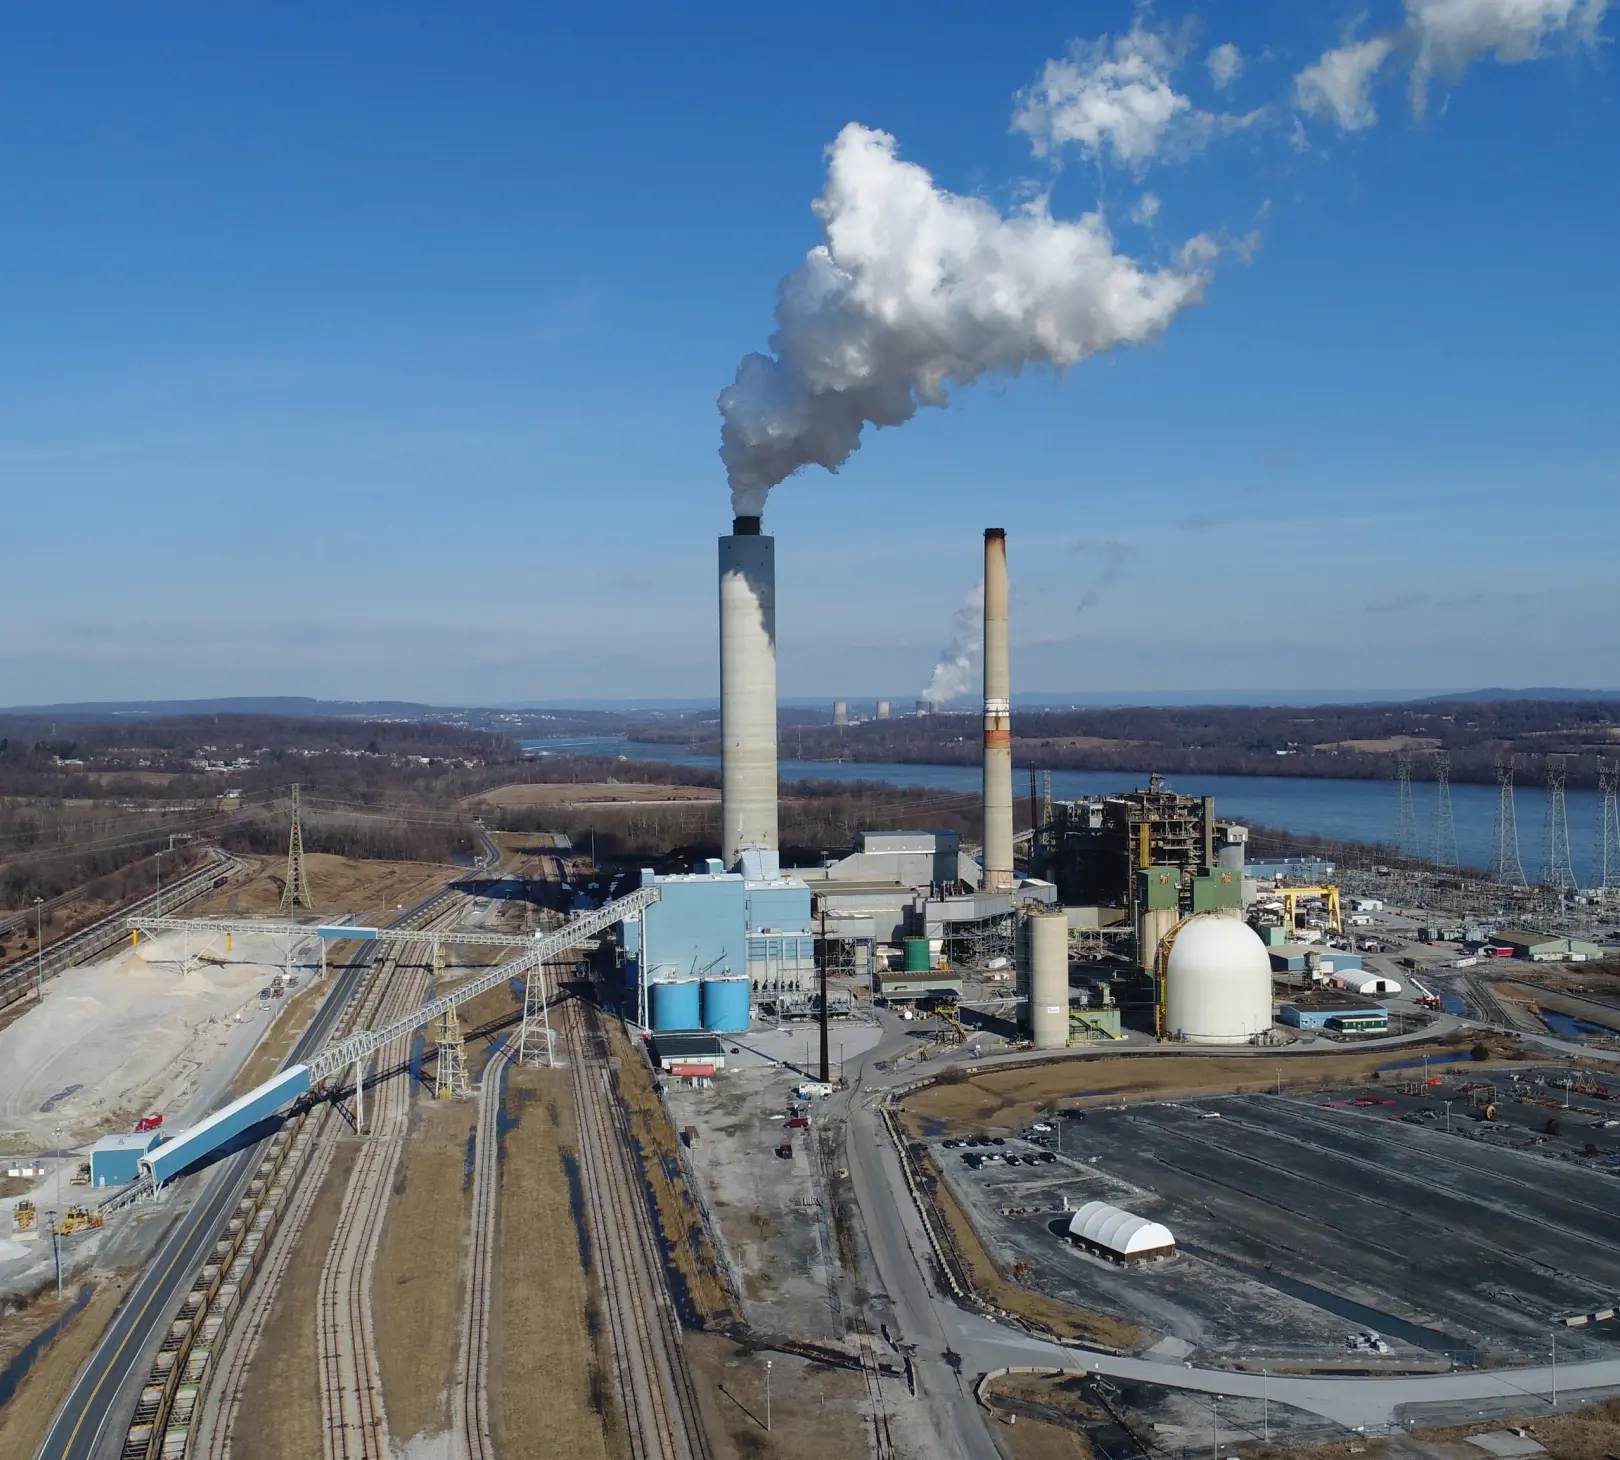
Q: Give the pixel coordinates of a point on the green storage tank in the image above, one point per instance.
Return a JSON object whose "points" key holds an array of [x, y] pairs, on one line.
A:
{"points": [[917, 959]]}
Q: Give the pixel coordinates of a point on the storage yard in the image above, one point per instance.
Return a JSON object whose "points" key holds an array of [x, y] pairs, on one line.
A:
{"points": [[1299, 1218]]}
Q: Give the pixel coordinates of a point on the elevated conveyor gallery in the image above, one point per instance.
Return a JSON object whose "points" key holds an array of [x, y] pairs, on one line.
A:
{"points": [[219, 1130]]}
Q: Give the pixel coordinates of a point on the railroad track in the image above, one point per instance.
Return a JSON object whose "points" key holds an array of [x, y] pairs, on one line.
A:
{"points": [[354, 1422], [662, 1420], [474, 1440]]}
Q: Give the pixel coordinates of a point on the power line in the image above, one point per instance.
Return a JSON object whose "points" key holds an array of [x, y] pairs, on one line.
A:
{"points": [[295, 891], [1406, 838]]}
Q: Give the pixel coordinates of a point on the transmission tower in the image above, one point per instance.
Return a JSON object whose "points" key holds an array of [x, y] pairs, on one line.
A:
{"points": [[1505, 863], [1405, 812], [1609, 826], [1445, 828], [295, 891], [1557, 871]]}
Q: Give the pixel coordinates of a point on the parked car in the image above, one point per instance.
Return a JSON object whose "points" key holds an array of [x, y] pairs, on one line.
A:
{"points": [[1044, 1127]]}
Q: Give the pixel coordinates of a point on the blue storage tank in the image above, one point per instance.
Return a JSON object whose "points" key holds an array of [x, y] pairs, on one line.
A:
{"points": [[725, 1005], [675, 1005]]}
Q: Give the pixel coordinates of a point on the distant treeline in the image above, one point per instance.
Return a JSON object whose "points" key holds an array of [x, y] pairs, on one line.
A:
{"points": [[815, 817], [1339, 741]]}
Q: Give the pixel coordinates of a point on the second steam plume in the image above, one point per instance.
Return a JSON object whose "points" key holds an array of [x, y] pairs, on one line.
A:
{"points": [[914, 291], [953, 674]]}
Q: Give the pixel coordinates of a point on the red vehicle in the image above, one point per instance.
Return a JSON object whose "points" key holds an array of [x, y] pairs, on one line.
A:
{"points": [[148, 1122], [799, 1123]]}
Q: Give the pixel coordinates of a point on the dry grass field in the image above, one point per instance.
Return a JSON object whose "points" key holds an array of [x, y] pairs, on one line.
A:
{"points": [[26, 1417], [338, 885]]}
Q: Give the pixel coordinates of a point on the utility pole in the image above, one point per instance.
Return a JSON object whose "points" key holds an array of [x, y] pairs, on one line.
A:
{"points": [[39, 940], [1555, 1368], [295, 892], [768, 1396], [824, 1076], [1405, 812]]}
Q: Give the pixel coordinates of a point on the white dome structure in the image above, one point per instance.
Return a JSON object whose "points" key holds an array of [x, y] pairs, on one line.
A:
{"points": [[1120, 1235], [1217, 981]]}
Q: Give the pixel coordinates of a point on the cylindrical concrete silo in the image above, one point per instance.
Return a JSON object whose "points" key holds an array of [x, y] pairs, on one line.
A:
{"points": [[998, 794], [747, 690], [1048, 934], [1217, 977]]}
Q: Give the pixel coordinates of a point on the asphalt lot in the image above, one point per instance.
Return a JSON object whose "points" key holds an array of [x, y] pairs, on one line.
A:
{"points": [[1301, 1220]]}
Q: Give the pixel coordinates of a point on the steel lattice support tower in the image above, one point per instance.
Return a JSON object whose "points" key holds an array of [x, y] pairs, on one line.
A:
{"points": [[295, 891], [1445, 828], [1557, 870], [450, 1069], [535, 1038], [1609, 826], [1405, 812], [1506, 865]]}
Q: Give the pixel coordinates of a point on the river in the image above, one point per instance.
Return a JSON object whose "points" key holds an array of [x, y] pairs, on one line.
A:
{"points": [[1359, 811]]}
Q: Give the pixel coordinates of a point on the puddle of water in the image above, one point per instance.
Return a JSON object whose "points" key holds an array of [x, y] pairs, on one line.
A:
{"points": [[17, 1370]]}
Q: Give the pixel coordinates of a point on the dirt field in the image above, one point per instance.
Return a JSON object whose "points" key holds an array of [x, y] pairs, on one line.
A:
{"points": [[998, 1288], [546, 1315], [338, 884], [815, 1408], [696, 1265], [1009, 1098], [416, 1294], [24, 1420], [591, 793], [281, 1404]]}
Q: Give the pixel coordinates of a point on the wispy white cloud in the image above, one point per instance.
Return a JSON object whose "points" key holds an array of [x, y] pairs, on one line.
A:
{"points": [[1225, 64], [1339, 86], [1443, 37]]}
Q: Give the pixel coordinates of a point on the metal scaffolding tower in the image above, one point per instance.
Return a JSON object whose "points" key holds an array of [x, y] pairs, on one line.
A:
{"points": [[1557, 870], [1609, 826], [1506, 865], [295, 892], [1406, 838], [450, 1069], [1445, 828]]}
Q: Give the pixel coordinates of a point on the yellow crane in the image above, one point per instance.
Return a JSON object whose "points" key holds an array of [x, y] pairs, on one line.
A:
{"points": [[1290, 899]]}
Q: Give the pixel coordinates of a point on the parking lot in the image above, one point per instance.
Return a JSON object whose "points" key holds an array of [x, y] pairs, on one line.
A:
{"points": [[1301, 1220]]}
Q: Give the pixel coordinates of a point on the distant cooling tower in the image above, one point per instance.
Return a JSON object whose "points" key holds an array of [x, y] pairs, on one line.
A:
{"points": [[747, 690], [883, 709], [998, 795]]}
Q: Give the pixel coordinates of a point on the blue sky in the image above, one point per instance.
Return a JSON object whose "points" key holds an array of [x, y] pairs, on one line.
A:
{"points": [[375, 353]]}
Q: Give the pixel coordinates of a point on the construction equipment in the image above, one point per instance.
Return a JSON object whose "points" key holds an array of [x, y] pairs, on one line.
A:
{"points": [[23, 1215], [78, 1219]]}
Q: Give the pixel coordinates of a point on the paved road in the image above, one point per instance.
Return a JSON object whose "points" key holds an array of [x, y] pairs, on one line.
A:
{"points": [[92, 1422]]}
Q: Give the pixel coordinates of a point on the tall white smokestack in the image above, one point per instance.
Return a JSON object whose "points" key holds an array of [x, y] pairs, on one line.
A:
{"points": [[748, 690], [998, 793]]}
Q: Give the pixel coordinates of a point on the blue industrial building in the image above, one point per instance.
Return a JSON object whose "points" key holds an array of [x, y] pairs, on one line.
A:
{"points": [[115, 1160], [746, 932], [1342, 1013]]}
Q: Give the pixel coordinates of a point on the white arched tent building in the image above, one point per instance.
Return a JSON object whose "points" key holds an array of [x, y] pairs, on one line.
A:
{"points": [[1119, 1235], [1217, 981]]}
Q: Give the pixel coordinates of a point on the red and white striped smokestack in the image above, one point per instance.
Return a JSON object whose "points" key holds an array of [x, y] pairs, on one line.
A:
{"points": [[998, 793]]}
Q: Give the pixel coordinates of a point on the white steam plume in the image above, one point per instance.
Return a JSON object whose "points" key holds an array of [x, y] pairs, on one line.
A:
{"points": [[953, 674], [916, 290]]}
